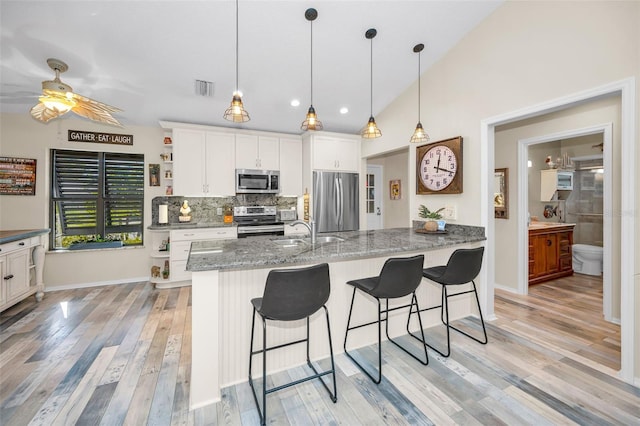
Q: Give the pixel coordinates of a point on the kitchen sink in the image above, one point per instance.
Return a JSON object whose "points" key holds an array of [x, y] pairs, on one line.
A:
{"points": [[289, 242], [326, 239]]}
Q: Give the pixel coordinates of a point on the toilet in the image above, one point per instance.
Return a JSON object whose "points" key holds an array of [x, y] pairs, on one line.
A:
{"points": [[587, 259]]}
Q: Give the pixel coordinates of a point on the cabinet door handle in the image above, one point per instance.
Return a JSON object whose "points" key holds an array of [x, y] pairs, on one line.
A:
{"points": [[21, 243], [8, 277], [548, 242]]}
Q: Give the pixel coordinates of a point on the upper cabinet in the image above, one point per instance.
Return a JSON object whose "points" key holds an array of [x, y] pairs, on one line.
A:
{"points": [[201, 163], [257, 152], [336, 153], [291, 166]]}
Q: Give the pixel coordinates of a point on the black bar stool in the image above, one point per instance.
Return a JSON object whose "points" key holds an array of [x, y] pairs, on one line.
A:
{"points": [[462, 268], [290, 295], [399, 277]]}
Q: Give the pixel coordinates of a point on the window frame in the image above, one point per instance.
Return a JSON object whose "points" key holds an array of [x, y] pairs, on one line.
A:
{"points": [[103, 198]]}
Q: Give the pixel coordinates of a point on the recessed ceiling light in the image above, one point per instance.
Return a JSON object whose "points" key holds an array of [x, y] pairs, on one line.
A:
{"points": [[295, 103], [344, 110]]}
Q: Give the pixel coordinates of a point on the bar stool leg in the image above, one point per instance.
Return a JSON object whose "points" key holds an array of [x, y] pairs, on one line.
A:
{"points": [[414, 299], [484, 330], [261, 413]]}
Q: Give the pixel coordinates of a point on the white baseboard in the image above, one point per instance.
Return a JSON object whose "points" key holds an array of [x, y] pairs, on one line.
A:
{"points": [[505, 288], [96, 284]]}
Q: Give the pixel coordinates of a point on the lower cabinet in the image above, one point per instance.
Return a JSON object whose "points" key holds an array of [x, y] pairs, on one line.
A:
{"points": [[550, 253], [171, 252], [18, 273]]}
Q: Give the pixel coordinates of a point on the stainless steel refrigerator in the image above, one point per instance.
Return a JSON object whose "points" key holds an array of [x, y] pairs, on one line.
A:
{"points": [[335, 201]]}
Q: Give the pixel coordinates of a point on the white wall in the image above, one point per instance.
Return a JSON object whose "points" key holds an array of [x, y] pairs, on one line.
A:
{"points": [[524, 54], [396, 212], [22, 136]]}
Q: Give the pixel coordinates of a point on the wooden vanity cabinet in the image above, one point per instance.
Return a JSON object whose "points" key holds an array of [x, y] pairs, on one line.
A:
{"points": [[550, 253]]}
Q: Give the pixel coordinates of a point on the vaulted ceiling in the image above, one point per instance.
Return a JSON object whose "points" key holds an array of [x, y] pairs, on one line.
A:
{"points": [[144, 56]]}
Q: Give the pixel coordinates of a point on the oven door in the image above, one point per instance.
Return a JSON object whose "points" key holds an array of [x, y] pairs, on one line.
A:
{"points": [[254, 230]]}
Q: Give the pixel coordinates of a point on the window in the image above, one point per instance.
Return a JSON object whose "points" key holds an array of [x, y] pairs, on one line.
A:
{"points": [[96, 196]]}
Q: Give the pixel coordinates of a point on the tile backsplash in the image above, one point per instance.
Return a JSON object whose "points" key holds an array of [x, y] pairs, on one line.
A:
{"points": [[205, 209]]}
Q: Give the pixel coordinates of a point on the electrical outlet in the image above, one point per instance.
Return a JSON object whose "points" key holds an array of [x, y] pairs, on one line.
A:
{"points": [[449, 213], [219, 211]]}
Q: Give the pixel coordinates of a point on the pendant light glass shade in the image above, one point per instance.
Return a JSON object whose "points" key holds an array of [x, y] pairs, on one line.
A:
{"points": [[311, 121], [371, 131], [419, 135], [236, 111]]}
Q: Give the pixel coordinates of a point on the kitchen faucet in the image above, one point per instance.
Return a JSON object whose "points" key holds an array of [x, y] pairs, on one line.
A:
{"points": [[311, 226]]}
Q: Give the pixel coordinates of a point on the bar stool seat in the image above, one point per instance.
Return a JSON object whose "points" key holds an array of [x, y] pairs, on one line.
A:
{"points": [[399, 277], [291, 295], [462, 268]]}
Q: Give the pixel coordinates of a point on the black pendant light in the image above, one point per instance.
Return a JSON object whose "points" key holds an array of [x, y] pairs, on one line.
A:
{"points": [[311, 121], [236, 111], [419, 135], [371, 131]]}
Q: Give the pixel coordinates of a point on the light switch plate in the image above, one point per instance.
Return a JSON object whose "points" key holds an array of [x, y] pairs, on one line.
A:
{"points": [[219, 211], [449, 213]]}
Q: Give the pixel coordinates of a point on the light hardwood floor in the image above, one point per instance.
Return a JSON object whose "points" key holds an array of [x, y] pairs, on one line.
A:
{"points": [[121, 355]]}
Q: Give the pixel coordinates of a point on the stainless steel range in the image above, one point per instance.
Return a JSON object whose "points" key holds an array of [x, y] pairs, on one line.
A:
{"points": [[257, 220]]}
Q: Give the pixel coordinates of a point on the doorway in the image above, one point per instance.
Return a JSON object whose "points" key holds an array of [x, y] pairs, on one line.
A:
{"points": [[626, 90], [373, 196], [524, 145]]}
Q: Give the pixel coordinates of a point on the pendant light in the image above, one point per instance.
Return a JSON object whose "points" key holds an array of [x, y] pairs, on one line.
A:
{"points": [[311, 121], [371, 131], [419, 135], [236, 111]]}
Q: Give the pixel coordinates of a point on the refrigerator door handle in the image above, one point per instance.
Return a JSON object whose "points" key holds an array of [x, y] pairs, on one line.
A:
{"points": [[339, 204]]}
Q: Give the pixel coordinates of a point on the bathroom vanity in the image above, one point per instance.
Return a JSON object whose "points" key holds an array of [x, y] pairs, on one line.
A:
{"points": [[550, 251]]}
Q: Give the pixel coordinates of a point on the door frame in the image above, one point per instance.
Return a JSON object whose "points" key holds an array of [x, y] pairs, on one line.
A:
{"points": [[626, 89], [378, 171], [606, 130]]}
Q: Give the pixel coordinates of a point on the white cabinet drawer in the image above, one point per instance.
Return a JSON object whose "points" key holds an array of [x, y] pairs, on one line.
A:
{"points": [[180, 250], [230, 232], [13, 246]]}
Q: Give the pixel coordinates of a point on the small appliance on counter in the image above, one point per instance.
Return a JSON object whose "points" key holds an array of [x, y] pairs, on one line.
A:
{"points": [[257, 220]]}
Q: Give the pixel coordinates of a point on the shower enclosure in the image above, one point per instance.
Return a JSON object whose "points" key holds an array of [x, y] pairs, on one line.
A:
{"points": [[584, 205]]}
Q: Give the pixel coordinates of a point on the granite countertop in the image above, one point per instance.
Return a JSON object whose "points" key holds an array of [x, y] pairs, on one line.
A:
{"points": [[548, 225], [260, 252], [190, 225], [20, 234]]}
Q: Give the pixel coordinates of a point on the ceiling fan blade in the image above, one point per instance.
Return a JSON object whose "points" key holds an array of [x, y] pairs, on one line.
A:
{"points": [[44, 114], [94, 110]]}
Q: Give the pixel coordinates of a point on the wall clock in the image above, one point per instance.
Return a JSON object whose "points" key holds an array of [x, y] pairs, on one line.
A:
{"points": [[439, 167]]}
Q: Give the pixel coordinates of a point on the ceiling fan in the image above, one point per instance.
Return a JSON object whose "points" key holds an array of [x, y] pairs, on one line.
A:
{"points": [[58, 98]]}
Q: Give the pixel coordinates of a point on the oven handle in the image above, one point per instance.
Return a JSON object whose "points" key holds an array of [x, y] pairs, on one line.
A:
{"points": [[260, 229]]}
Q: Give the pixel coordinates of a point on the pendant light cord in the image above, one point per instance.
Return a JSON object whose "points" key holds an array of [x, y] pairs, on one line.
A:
{"points": [[419, 87], [237, 44], [311, 50], [371, 80]]}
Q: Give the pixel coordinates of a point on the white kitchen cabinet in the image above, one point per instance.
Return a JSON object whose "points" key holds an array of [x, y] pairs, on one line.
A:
{"points": [[291, 167], [21, 266], [177, 254], [201, 163], [335, 153], [257, 152]]}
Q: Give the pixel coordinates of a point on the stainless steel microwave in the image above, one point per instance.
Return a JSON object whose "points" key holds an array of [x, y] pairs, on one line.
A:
{"points": [[257, 181]]}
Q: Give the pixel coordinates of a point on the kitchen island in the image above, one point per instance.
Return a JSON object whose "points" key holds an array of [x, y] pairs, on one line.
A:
{"points": [[227, 274]]}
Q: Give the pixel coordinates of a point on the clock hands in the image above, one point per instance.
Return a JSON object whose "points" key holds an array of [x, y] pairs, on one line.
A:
{"points": [[438, 165], [443, 170]]}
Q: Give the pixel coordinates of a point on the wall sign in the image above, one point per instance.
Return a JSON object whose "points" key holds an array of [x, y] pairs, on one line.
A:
{"points": [[96, 137], [17, 176]]}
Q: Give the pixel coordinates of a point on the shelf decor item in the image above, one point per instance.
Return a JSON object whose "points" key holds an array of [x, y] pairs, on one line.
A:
{"points": [[154, 174]]}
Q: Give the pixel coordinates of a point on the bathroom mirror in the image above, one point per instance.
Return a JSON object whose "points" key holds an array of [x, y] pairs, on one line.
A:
{"points": [[501, 193]]}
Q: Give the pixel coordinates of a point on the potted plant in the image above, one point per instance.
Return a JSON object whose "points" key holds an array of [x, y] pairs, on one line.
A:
{"points": [[432, 217], [96, 242]]}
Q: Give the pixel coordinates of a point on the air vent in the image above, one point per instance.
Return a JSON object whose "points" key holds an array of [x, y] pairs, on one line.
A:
{"points": [[203, 88]]}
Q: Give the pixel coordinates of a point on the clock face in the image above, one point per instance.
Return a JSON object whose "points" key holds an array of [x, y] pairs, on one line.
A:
{"points": [[438, 168]]}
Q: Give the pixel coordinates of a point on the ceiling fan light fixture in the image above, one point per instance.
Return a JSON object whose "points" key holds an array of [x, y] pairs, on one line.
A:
{"points": [[61, 104], [236, 111], [370, 130], [419, 135], [311, 121]]}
